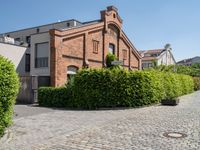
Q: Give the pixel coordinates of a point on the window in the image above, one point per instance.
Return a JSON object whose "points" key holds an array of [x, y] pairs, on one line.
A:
{"points": [[28, 40], [114, 16], [95, 46], [71, 71], [124, 54], [150, 65], [68, 24], [41, 54], [27, 62], [112, 48], [17, 39], [37, 30]]}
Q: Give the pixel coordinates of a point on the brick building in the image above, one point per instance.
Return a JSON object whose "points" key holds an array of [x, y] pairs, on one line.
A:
{"points": [[60, 49], [88, 45]]}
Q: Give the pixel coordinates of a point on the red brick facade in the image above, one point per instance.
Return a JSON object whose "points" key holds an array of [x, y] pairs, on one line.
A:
{"points": [[88, 45]]}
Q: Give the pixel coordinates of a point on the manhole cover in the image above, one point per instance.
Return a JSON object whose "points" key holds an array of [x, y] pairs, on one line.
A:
{"points": [[174, 135]]}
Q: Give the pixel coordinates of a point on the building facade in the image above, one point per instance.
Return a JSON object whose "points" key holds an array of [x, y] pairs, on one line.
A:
{"points": [[157, 57], [60, 49], [190, 61]]}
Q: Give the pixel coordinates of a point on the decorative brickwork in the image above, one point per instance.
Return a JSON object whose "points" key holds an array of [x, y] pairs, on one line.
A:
{"points": [[75, 47]]}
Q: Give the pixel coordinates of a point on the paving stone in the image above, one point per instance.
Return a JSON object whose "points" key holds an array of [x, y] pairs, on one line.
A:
{"points": [[140, 128]]}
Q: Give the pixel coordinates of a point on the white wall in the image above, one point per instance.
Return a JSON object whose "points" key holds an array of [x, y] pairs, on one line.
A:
{"points": [[16, 54], [39, 38], [166, 59]]}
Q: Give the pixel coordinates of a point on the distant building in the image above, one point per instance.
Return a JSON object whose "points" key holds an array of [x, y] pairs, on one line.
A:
{"points": [[190, 61], [157, 56]]}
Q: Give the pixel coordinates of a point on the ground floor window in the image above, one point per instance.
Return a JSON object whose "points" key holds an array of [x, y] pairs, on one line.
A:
{"points": [[71, 71]]}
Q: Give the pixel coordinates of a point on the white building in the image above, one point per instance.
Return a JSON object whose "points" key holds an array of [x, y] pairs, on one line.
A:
{"points": [[157, 57]]}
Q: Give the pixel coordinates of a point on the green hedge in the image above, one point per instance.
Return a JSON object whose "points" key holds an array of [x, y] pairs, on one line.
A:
{"points": [[175, 85], [9, 86], [196, 83], [95, 88], [54, 97]]}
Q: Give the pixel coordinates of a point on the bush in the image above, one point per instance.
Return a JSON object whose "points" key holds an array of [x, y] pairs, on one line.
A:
{"points": [[180, 69], [9, 86], [54, 97], [196, 83], [176, 85], [109, 58], [94, 88]]}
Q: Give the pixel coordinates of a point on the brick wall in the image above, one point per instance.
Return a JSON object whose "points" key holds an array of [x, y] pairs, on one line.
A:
{"points": [[75, 47]]}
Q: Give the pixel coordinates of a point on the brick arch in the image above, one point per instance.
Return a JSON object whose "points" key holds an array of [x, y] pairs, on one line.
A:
{"points": [[114, 26], [72, 68]]}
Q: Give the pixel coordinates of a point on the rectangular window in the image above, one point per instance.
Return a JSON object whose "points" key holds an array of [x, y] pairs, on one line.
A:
{"points": [[95, 46], [41, 55], [111, 48], [27, 62], [28, 40], [124, 54]]}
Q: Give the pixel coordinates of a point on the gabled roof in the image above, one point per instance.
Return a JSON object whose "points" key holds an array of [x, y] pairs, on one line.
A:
{"points": [[159, 52], [188, 60], [154, 51]]}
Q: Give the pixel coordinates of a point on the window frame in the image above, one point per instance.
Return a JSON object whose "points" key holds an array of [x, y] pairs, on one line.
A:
{"points": [[36, 58], [124, 53], [27, 62], [95, 46], [113, 50]]}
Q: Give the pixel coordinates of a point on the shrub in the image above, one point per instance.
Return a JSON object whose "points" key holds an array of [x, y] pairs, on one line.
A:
{"points": [[109, 58], [9, 86], [54, 97], [176, 85], [180, 69], [94, 88], [196, 83]]}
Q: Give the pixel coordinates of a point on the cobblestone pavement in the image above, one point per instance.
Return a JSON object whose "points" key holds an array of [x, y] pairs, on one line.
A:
{"points": [[137, 129]]}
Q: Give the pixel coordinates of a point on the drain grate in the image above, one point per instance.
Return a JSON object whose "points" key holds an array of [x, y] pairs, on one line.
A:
{"points": [[174, 135]]}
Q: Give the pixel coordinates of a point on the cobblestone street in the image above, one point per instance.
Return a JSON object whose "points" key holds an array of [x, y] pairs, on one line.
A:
{"points": [[137, 129]]}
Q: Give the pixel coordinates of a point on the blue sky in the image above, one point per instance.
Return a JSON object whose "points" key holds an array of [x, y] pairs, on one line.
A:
{"points": [[149, 24]]}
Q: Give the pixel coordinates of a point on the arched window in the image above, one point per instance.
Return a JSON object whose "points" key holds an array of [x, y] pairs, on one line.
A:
{"points": [[71, 71], [111, 48]]}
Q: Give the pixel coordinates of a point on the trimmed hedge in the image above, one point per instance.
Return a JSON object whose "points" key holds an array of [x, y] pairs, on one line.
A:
{"points": [[176, 85], [95, 88], [196, 83], [9, 86], [54, 97]]}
